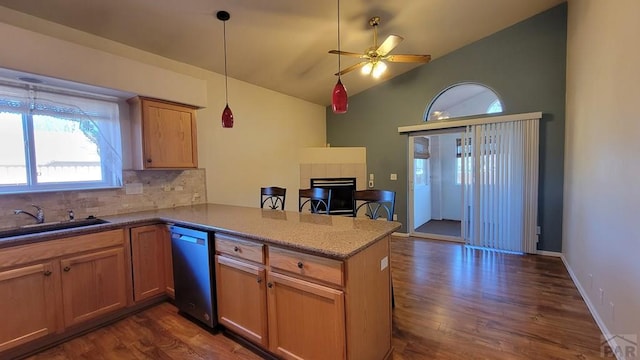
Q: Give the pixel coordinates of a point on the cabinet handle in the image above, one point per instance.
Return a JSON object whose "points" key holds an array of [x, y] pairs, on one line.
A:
{"points": [[149, 160], [259, 280], [269, 285], [236, 249], [66, 268], [300, 265], [47, 273]]}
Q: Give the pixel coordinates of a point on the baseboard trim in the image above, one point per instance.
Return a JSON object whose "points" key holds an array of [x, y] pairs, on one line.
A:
{"points": [[400, 234], [438, 237], [592, 309], [550, 253]]}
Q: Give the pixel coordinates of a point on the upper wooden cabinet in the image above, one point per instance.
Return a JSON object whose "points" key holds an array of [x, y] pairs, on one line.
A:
{"points": [[163, 134]]}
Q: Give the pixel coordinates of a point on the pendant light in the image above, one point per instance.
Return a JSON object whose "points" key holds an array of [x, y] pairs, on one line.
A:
{"points": [[227, 115], [339, 98]]}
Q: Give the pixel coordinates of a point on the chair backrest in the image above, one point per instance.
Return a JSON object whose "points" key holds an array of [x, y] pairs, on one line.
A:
{"points": [[373, 201], [319, 200], [272, 197]]}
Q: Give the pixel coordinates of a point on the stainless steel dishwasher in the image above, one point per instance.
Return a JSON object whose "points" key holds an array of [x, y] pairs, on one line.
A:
{"points": [[193, 272]]}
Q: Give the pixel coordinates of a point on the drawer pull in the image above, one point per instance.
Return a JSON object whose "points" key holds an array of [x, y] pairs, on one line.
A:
{"points": [[300, 265], [269, 285], [47, 273], [259, 280], [66, 268], [236, 249]]}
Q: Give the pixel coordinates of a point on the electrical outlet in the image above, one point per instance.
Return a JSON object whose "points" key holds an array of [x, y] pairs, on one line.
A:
{"points": [[370, 183], [371, 177], [395, 217]]}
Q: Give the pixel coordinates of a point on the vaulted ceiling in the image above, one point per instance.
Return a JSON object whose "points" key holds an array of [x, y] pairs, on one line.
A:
{"points": [[282, 44]]}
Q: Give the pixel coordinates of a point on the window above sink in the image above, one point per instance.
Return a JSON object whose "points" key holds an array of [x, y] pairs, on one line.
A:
{"points": [[52, 139]]}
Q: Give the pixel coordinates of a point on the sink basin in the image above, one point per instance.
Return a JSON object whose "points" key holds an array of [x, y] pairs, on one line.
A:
{"points": [[40, 228]]}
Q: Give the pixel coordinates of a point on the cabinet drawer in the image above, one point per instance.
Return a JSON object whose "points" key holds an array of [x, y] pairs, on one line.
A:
{"points": [[236, 246], [311, 266], [23, 254]]}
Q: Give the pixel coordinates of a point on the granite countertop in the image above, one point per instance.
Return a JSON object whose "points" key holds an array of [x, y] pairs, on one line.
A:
{"points": [[333, 236]]}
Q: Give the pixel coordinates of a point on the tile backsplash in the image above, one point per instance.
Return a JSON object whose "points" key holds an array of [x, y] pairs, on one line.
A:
{"points": [[143, 190]]}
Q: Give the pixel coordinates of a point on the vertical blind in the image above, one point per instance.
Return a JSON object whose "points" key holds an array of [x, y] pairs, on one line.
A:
{"points": [[500, 185]]}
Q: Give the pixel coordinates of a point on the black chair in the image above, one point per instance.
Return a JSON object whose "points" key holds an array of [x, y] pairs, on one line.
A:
{"points": [[373, 201], [319, 200], [273, 197]]}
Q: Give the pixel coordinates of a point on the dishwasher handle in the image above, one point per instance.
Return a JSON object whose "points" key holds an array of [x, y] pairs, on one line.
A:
{"points": [[187, 238]]}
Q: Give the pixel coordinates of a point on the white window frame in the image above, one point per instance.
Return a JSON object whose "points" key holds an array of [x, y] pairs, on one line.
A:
{"points": [[100, 112]]}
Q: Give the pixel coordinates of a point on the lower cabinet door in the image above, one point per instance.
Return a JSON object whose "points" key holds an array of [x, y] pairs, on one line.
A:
{"points": [[306, 320], [93, 284], [148, 261], [27, 304], [242, 298]]}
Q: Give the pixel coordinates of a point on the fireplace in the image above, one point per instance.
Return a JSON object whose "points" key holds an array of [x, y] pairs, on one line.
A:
{"points": [[341, 193]]}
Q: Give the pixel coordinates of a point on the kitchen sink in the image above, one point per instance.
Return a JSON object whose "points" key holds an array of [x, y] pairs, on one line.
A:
{"points": [[51, 226]]}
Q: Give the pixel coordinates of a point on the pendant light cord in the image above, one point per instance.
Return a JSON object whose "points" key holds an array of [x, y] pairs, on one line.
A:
{"points": [[226, 85], [339, 65]]}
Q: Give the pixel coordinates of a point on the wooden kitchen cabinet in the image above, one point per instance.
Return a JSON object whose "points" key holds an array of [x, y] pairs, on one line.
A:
{"points": [[306, 320], [314, 310], [49, 286], [93, 284], [242, 298], [148, 247], [163, 134], [27, 304]]}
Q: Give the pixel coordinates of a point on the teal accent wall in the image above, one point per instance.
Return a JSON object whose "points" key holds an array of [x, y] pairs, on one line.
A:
{"points": [[525, 64]]}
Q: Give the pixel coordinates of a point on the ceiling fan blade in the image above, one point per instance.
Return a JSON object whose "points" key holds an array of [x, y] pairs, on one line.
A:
{"points": [[409, 58], [346, 53], [389, 44], [351, 68]]}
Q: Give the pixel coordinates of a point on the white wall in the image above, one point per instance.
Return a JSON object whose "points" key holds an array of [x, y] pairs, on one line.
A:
{"points": [[601, 240], [261, 149]]}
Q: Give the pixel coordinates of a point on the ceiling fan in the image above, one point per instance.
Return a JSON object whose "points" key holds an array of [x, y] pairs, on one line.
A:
{"points": [[375, 56]]}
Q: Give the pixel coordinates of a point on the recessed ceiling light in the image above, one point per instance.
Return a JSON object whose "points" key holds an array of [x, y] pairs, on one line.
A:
{"points": [[30, 80]]}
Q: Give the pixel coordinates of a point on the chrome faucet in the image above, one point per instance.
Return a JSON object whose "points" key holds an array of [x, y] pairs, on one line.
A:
{"points": [[39, 216]]}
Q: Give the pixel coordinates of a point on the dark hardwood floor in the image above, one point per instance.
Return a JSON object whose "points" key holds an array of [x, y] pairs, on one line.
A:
{"points": [[451, 303]]}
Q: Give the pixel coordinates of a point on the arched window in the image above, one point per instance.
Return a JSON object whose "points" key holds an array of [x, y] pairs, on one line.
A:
{"points": [[463, 99]]}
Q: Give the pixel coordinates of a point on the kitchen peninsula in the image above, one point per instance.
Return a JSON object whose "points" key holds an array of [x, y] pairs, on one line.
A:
{"points": [[297, 285]]}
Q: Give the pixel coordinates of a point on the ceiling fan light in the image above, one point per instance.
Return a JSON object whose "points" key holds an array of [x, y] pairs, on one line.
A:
{"points": [[378, 69], [366, 69]]}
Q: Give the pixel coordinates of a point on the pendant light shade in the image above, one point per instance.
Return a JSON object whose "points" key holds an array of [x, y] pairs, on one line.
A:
{"points": [[339, 98], [227, 114], [227, 117]]}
